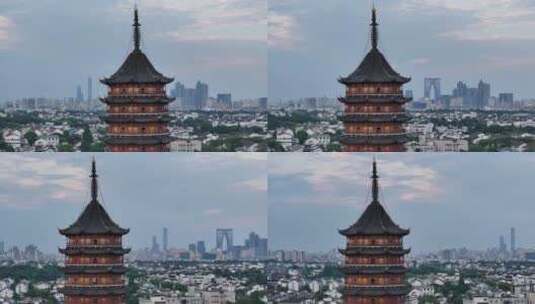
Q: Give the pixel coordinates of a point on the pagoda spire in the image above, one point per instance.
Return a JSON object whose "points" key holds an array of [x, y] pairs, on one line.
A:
{"points": [[375, 183], [94, 184], [375, 32], [137, 33]]}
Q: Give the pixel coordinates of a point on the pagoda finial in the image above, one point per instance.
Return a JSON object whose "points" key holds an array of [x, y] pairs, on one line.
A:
{"points": [[375, 183], [375, 32], [94, 185], [137, 34]]}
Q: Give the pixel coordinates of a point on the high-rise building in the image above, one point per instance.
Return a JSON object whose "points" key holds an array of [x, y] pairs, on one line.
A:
{"points": [[165, 239], [506, 101], [374, 265], [483, 95], [79, 94], [137, 112], [224, 237], [155, 249], [503, 245], [2, 247], [201, 247], [225, 99], [374, 113], [89, 89], [513, 240], [94, 264], [432, 85], [201, 95], [179, 90], [263, 103]]}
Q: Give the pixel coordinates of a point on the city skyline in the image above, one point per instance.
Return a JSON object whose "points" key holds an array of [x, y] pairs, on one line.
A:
{"points": [[445, 200], [41, 194], [421, 38], [176, 35]]}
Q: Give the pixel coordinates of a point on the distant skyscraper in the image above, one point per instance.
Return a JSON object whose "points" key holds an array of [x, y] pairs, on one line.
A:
{"points": [[483, 95], [224, 236], [201, 95], [165, 239], [506, 101], [263, 103], [503, 245], [2, 247], [513, 240], [432, 84], [201, 247], [179, 90], [155, 246], [188, 100], [374, 113], [79, 94], [225, 99], [89, 89]]}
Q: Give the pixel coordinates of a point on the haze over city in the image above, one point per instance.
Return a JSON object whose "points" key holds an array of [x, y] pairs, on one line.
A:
{"points": [[314, 42], [446, 200], [41, 193], [47, 49]]}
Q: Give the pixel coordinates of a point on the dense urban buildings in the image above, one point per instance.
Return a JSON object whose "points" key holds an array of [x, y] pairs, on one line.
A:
{"points": [[94, 263], [137, 104], [374, 256], [374, 114]]}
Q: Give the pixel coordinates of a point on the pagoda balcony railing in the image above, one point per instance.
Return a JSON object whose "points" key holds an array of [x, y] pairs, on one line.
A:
{"points": [[376, 286], [145, 95], [95, 265], [372, 265], [137, 134], [376, 134], [75, 245], [137, 114], [120, 285]]}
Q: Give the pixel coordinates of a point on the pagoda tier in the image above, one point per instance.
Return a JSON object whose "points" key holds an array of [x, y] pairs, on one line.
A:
{"points": [[94, 264], [137, 104], [374, 114], [374, 267]]}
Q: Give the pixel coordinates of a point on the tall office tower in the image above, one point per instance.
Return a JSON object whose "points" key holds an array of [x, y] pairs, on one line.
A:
{"points": [[89, 89], [224, 237], [2, 247], [79, 94], [179, 90], [201, 95], [201, 247], [374, 113], [225, 99], [513, 240], [155, 248], [165, 239], [506, 101], [432, 85], [94, 265], [503, 245], [483, 95], [374, 265], [137, 104], [263, 103]]}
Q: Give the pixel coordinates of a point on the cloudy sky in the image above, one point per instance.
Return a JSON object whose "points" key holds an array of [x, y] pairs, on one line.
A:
{"points": [[313, 42], [48, 47], [447, 200], [191, 194]]}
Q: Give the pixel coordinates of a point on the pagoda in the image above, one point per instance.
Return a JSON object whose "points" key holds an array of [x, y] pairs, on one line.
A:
{"points": [[374, 267], [374, 113], [137, 104], [94, 264]]}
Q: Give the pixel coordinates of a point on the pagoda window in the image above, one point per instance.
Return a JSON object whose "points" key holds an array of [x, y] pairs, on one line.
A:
{"points": [[95, 242], [95, 261]]}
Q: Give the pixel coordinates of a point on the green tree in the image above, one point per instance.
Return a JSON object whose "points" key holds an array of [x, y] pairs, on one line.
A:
{"points": [[87, 140], [31, 137], [302, 136]]}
